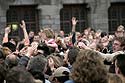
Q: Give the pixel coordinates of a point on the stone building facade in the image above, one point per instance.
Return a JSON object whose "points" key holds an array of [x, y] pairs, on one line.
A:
{"points": [[49, 12]]}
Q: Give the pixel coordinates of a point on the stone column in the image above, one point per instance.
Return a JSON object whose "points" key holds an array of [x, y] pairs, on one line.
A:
{"points": [[49, 16], [99, 14]]}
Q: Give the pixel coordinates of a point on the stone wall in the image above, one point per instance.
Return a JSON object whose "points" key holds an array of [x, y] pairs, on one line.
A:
{"points": [[50, 15], [2, 22], [49, 12], [99, 14]]}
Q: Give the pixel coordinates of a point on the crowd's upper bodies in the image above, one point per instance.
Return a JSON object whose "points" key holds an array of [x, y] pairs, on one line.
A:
{"points": [[86, 57]]}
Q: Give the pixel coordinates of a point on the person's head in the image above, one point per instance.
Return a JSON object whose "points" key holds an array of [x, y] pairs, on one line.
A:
{"points": [[38, 76], [11, 61], [57, 61], [119, 44], [120, 64], [38, 64], [37, 38], [78, 35], [86, 31], [37, 67], [67, 40], [104, 37], [40, 33], [10, 45], [89, 68], [120, 31], [99, 47], [6, 51], [98, 34], [31, 34], [12, 41], [43, 47], [61, 75], [61, 33], [72, 54], [19, 75], [48, 33]]}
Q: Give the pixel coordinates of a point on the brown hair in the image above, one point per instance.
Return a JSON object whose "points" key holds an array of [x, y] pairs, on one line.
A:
{"points": [[113, 78], [89, 68], [57, 60], [49, 33]]}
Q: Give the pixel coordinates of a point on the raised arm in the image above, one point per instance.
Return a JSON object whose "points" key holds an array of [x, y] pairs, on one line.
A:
{"points": [[5, 38], [108, 57], [74, 22], [26, 37]]}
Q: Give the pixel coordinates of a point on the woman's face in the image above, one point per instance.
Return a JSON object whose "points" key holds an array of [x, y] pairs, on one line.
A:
{"points": [[51, 63]]}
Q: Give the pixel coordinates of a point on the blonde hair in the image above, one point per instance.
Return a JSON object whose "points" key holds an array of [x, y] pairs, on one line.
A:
{"points": [[89, 68], [48, 32], [6, 51]]}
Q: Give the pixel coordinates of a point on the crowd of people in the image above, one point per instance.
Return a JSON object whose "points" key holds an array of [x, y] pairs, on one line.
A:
{"points": [[49, 57]]}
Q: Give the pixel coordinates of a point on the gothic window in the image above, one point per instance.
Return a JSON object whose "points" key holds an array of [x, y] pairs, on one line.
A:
{"points": [[27, 13], [69, 11]]}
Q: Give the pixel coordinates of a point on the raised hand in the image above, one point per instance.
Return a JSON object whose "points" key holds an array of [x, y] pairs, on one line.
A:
{"points": [[74, 21], [23, 25], [26, 37], [27, 51], [5, 38], [7, 30], [83, 46]]}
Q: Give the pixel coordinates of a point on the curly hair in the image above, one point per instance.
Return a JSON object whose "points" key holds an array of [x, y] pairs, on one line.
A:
{"points": [[89, 68], [113, 78]]}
